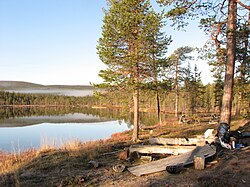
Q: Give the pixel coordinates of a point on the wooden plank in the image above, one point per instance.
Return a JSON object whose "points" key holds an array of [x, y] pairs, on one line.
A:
{"points": [[149, 149], [181, 141], [184, 159]]}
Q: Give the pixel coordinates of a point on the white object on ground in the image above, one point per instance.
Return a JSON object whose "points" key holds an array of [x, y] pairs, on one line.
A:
{"points": [[208, 133]]}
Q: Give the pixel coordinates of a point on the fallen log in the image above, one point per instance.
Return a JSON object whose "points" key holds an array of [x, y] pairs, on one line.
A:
{"points": [[183, 159], [181, 141], [158, 149]]}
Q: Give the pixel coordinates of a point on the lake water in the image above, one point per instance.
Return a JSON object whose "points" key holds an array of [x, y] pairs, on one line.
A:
{"points": [[26, 132]]}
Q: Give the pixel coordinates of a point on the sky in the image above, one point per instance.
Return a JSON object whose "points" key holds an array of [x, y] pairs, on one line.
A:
{"points": [[54, 41]]}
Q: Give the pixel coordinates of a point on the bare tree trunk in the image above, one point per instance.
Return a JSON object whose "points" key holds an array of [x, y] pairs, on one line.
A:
{"points": [[229, 74], [176, 89], [238, 104], [158, 106], [157, 99], [136, 96], [136, 115]]}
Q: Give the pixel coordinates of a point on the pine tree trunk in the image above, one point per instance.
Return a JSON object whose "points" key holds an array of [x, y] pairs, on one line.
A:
{"points": [[136, 96], [136, 115], [238, 106], [229, 74], [176, 89], [158, 107]]}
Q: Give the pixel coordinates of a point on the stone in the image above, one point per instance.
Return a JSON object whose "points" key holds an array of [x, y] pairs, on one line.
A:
{"points": [[119, 168]]}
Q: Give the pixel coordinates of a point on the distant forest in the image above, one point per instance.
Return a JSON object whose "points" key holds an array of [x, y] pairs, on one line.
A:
{"points": [[194, 97], [13, 98]]}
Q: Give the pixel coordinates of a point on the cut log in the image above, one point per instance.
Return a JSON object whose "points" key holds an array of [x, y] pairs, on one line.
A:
{"points": [[199, 162], [184, 159], [123, 155], [181, 141], [158, 149]]}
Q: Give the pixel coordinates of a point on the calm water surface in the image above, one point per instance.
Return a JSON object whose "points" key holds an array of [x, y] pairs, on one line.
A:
{"points": [[87, 127]]}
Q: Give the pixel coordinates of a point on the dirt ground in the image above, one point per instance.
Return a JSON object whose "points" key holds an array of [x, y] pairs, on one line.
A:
{"points": [[231, 168], [227, 168]]}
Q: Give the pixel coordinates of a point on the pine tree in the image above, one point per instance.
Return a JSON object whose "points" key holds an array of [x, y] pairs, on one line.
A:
{"points": [[122, 49], [242, 57], [178, 57], [221, 11], [208, 98], [156, 44]]}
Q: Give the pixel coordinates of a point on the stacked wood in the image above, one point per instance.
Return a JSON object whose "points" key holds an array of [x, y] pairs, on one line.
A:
{"points": [[184, 159], [158, 149], [182, 141]]}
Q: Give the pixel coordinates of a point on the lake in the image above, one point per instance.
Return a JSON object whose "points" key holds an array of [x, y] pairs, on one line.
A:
{"points": [[20, 133], [31, 127]]}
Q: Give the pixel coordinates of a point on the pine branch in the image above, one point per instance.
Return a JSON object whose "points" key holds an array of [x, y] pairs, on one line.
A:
{"points": [[242, 4]]}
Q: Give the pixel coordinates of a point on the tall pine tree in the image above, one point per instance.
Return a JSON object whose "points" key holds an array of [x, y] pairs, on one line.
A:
{"points": [[124, 48]]}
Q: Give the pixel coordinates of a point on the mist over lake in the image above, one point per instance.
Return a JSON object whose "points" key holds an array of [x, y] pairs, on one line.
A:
{"points": [[65, 92], [32, 88]]}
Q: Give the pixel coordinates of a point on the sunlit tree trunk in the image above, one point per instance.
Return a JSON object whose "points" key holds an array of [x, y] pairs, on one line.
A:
{"points": [[177, 88], [136, 115], [231, 53], [157, 98], [136, 96]]}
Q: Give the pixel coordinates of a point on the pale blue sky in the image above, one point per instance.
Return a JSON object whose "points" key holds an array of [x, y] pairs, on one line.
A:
{"points": [[54, 41]]}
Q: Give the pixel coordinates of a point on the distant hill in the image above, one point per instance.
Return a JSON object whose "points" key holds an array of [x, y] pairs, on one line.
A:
{"points": [[27, 87], [6, 85]]}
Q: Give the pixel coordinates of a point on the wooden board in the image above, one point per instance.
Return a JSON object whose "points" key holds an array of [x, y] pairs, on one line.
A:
{"points": [[149, 149], [181, 141], [184, 159]]}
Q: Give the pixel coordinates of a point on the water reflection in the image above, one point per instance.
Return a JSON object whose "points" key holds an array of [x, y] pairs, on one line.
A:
{"points": [[21, 138], [24, 127], [63, 118]]}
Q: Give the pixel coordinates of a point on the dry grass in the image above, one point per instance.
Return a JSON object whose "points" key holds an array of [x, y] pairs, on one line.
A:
{"points": [[16, 167]]}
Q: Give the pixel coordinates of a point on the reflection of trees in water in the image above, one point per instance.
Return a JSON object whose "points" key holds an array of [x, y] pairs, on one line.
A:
{"points": [[114, 114]]}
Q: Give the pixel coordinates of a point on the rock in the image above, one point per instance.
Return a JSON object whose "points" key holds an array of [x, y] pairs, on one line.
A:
{"points": [[119, 168], [134, 156], [93, 164], [27, 175], [175, 169]]}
